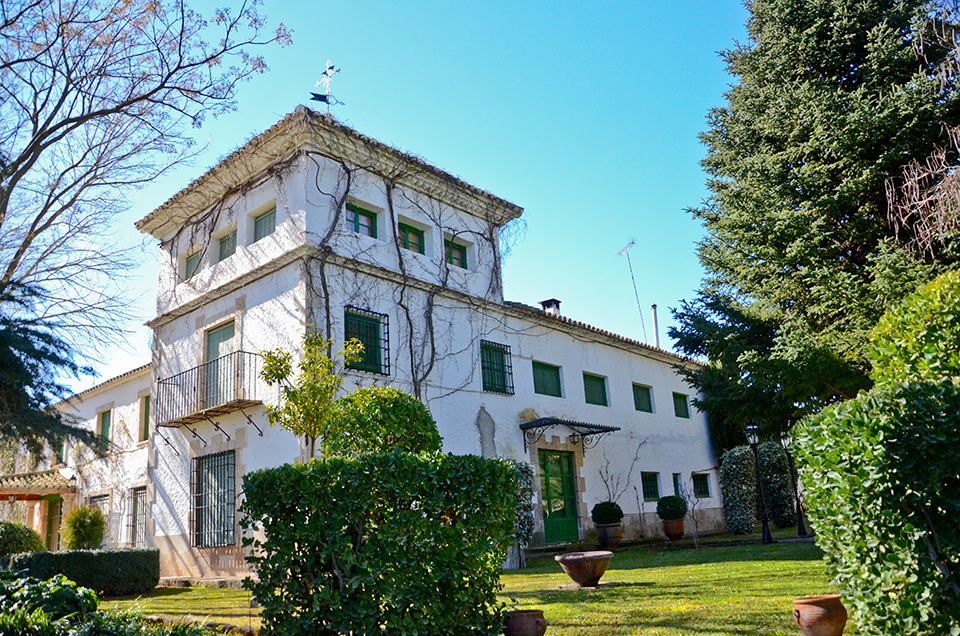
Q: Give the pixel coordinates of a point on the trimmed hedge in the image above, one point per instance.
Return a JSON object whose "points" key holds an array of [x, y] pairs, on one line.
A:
{"points": [[671, 508], [16, 537], [380, 544], [380, 419], [738, 485], [606, 512], [883, 492], [777, 485], [108, 572]]}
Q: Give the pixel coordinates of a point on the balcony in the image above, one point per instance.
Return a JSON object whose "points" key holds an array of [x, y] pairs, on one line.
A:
{"points": [[218, 387]]}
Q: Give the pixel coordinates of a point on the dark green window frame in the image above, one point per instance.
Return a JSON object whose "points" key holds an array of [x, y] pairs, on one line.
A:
{"points": [[265, 224], [680, 406], [701, 485], [362, 221], [410, 238], [145, 418], [191, 265], [456, 254], [546, 379], [372, 330], [228, 246], [496, 367], [595, 389], [104, 419], [650, 483], [678, 484], [642, 398]]}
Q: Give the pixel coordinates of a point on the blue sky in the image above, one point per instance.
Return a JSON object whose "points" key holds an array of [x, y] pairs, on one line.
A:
{"points": [[584, 114]]}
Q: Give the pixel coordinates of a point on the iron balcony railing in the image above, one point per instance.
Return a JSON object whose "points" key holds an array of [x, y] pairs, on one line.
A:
{"points": [[217, 387]]}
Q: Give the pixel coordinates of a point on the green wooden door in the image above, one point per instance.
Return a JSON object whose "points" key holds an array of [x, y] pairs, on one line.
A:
{"points": [[219, 383], [558, 493]]}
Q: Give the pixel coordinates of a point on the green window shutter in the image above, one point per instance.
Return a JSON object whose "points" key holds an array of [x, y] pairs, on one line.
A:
{"points": [[642, 400], [228, 245], [456, 254], [651, 486], [368, 328], [145, 419], [191, 266], [677, 488], [595, 389], [495, 368], [264, 225], [546, 379], [680, 407], [410, 238], [362, 221], [701, 486], [105, 425]]}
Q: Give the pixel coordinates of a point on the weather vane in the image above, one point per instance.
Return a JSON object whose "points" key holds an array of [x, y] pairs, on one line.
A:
{"points": [[324, 81]]}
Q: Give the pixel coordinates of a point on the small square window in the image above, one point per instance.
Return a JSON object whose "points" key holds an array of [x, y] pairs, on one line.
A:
{"points": [[546, 379], [410, 238], [680, 407], [362, 221], [144, 418], [264, 225], [642, 400], [651, 486], [496, 368], [371, 329], [678, 484], [191, 265], [456, 254], [701, 485], [228, 246], [104, 426], [595, 389]]}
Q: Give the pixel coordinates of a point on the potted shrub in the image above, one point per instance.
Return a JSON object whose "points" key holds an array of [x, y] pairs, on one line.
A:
{"points": [[607, 516], [671, 510]]}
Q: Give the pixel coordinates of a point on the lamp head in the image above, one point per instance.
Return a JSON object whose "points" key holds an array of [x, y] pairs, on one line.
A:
{"points": [[753, 434]]}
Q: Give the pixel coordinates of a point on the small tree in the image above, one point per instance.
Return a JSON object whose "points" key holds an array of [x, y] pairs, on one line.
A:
{"points": [[380, 419], [777, 485], [307, 404], [738, 484], [85, 528]]}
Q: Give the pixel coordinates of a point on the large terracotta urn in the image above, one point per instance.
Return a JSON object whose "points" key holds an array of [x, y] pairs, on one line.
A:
{"points": [[608, 535], [529, 622], [585, 568], [673, 529], [820, 615]]}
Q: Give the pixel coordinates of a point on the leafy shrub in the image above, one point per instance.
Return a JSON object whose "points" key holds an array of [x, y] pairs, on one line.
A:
{"points": [[109, 572], [607, 512], [880, 473], [131, 623], [383, 543], [524, 502], [379, 419], [16, 537], [738, 485], [917, 339], [671, 508], [777, 484], [57, 596], [84, 528], [33, 622]]}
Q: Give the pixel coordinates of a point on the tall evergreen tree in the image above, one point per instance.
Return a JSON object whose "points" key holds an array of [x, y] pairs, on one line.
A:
{"points": [[831, 99]]}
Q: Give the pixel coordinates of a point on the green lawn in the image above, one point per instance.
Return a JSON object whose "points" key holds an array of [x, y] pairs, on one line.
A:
{"points": [[729, 591]]}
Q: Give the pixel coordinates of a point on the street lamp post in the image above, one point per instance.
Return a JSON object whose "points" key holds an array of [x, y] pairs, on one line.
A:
{"points": [[785, 440], [753, 438]]}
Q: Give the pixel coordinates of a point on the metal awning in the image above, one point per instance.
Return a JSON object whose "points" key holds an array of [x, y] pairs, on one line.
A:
{"points": [[587, 434]]}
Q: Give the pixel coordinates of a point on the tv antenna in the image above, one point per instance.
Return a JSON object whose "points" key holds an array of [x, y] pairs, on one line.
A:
{"points": [[324, 81], [626, 251]]}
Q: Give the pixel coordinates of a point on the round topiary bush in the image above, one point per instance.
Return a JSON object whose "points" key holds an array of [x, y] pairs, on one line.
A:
{"points": [[16, 538], [777, 484], [738, 485], [606, 512], [671, 508], [380, 419], [85, 528], [917, 339]]}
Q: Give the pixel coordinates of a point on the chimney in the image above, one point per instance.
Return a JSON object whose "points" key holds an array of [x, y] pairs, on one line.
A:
{"points": [[656, 328], [551, 306]]}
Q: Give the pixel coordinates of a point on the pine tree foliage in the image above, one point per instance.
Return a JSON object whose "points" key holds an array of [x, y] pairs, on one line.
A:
{"points": [[831, 98]]}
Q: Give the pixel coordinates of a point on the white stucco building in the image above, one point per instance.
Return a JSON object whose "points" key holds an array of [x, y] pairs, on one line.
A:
{"points": [[313, 225]]}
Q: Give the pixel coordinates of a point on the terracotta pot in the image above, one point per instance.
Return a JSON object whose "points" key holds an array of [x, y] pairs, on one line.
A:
{"points": [[673, 529], [525, 623], [608, 535], [820, 615], [585, 568]]}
